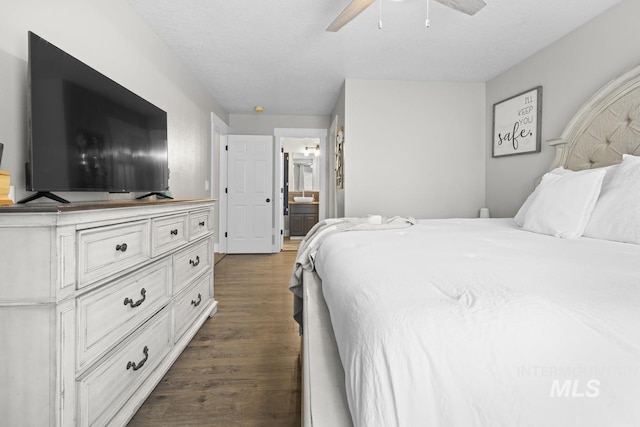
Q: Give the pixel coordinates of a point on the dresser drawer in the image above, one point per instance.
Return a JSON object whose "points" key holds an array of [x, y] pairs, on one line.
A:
{"points": [[105, 251], [109, 314], [107, 387], [191, 302], [190, 262], [168, 233], [200, 223]]}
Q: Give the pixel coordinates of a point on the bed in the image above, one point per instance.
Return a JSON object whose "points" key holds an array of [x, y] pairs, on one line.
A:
{"points": [[527, 321]]}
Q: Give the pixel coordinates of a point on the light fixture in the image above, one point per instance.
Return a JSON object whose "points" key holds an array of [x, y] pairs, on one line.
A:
{"points": [[259, 109], [316, 150]]}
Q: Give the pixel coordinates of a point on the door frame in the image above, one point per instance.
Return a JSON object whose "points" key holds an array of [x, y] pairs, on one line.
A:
{"points": [[278, 208], [218, 126], [219, 134]]}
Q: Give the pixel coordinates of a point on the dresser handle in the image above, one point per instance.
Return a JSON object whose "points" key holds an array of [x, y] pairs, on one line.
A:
{"points": [[197, 303], [122, 247], [196, 262], [143, 292], [174, 231], [201, 223], [141, 363]]}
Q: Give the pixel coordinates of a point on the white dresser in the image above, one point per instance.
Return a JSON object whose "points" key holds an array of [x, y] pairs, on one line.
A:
{"points": [[96, 303]]}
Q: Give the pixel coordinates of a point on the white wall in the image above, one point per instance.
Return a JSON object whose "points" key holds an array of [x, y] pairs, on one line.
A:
{"points": [[570, 71], [112, 38], [414, 148], [264, 124]]}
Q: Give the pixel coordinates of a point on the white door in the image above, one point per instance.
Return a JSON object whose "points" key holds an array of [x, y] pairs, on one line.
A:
{"points": [[250, 198]]}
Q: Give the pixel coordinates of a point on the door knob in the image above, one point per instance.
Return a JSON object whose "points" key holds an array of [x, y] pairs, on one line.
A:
{"points": [[268, 200]]}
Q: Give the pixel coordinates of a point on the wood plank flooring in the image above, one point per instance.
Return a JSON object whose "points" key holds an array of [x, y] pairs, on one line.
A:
{"points": [[290, 245], [243, 367]]}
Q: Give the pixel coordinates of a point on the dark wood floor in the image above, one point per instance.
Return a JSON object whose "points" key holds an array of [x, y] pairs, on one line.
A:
{"points": [[243, 367]]}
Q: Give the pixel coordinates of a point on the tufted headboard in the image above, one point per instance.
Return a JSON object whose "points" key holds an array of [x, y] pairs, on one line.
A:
{"points": [[605, 128]]}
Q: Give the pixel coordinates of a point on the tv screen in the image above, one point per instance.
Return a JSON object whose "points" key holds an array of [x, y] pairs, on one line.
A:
{"points": [[87, 132]]}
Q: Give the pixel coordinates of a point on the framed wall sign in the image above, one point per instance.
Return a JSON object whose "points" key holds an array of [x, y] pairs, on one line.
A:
{"points": [[517, 124], [339, 158]]}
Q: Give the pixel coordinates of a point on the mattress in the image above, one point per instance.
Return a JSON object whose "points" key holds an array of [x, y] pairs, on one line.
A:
{"points": [[478, 323]]}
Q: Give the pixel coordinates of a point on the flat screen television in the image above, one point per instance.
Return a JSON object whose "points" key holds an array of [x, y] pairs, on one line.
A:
{"points": [[87, 132]]}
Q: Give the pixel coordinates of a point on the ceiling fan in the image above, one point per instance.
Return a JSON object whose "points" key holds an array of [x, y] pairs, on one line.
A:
{"points": [[470, 7]]}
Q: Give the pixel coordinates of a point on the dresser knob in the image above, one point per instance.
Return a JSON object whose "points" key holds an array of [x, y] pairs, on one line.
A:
{"points": [[143, 292], [174, 231], [197, 303], [140, 364], [122, 247], [196, 262], [201, 223]]}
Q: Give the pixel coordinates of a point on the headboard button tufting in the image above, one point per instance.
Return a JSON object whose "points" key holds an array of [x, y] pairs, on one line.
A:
{"points": [[605, 128]]}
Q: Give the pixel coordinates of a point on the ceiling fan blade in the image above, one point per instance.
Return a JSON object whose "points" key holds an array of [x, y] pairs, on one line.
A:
{"points": [[354, 9], [470, 7]]}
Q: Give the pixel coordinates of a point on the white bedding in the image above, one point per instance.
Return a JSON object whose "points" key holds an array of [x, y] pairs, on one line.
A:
{"points": [[478, 323]]}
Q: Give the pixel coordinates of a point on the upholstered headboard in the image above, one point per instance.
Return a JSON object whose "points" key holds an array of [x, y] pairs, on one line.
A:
{"points": [[605, 128]]}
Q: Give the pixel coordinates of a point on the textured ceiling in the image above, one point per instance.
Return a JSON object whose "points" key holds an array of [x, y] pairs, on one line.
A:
{"points": [[276, 53]]}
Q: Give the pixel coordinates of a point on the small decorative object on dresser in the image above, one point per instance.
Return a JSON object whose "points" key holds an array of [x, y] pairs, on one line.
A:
{"points": [[5, 186], [96, 303], [1, 148], [517, 124]]}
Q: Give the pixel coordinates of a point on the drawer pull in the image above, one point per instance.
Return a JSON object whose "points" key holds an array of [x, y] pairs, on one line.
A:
{"points": [[122, 247], [201, 223], [197, 303], [143, 292], [141, 363], [196, 262], [174, 231]]}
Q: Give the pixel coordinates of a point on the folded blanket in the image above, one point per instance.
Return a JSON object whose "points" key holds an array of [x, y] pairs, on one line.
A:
{"points": [[325, 228]]}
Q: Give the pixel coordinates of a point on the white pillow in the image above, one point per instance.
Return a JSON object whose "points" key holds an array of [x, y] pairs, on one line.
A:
{"points": [[561, 171], [616, 215], [610, 173], [522, 212], [564, 204]]}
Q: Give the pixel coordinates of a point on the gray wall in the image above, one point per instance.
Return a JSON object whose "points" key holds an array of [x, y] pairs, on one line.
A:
{"points": [[570, 72], [414, 148], [112, 38]]}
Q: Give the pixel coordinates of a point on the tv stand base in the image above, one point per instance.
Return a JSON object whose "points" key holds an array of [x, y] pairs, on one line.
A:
{"points": [[45, 194], [155, 193]]}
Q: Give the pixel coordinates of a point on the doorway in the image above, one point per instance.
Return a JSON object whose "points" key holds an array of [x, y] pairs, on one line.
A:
{"points": [[313, 143]]}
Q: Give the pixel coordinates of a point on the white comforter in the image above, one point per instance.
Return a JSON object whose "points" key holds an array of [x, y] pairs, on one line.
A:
{"points": [[477, 323]]}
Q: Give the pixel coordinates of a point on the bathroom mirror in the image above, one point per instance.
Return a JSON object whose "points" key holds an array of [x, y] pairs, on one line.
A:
{"points": [[304, 173]]}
